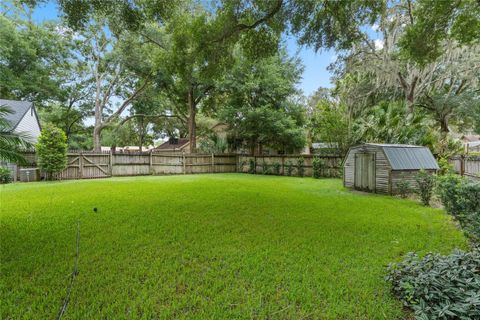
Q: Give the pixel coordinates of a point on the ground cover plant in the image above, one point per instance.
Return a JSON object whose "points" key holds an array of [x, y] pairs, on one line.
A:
{"points": [[209, 246], [445, 286], [437, 286]]}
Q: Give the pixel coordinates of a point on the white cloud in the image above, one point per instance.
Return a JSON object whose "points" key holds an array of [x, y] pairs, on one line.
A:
{"points": [[378, 44], [375, 27], [65, 31]]}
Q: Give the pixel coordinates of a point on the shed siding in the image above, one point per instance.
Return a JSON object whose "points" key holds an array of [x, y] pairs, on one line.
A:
{"points": [[382, 167], [406, 175], [349, 169], [29, 125]]}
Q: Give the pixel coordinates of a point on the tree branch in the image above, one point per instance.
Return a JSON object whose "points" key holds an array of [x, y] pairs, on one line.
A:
{"points": [[109, 90], [127, 102], [412, 89], [148, 116], [410, 14], [242, 26], [151, 40], [461, 87], [205, 92]]}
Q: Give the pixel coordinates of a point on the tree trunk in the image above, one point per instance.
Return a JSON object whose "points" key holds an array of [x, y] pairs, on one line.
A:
{"points": [[97, 129], [444, 126], [97, 140], [191, 121]]}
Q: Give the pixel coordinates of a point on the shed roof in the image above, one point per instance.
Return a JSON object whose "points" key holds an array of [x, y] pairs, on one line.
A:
{"points": [[19, 108], [408, 157]]}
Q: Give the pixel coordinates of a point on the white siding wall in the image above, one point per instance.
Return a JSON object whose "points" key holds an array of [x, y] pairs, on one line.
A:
{"points": [[29, 125]]}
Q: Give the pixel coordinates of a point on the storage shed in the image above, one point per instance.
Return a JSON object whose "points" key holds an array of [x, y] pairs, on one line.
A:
{"points": [[379, 167]]}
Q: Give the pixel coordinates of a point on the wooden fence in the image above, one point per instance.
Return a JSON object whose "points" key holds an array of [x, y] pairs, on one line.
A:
{"points": [[91, 165], [331, 165], [466, 166]]}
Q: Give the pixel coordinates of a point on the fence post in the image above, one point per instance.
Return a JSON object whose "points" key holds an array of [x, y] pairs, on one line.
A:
{"points": [[110, 156], [462, 165], [112, 160], [184, 165], [80, 165], [150, 170], [213, 163], [283, 165]]}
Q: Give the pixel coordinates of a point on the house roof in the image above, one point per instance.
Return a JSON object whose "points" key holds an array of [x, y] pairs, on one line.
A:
{"points": [[408, 157], [471, 138], [473, 144], [19, 109], [173, 144], [324, 145]]}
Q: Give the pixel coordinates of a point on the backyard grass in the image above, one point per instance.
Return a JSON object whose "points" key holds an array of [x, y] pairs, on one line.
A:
{"points": [[226, 246]]}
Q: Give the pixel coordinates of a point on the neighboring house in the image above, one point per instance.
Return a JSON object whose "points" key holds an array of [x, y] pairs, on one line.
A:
{"points": [[380, 167], [24, 118], [220, 129], [471, 143], [324, 148], [127, 149], [174, 145]]}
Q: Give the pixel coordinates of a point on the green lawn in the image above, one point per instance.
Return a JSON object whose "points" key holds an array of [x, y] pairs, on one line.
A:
{"points": [[224, 246]]}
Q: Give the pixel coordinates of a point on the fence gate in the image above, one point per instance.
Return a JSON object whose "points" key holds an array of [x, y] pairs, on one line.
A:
{"points": [[87, 166]]}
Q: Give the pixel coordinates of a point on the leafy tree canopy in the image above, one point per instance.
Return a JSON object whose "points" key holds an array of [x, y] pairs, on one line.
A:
{"points": [[260, 106], [51, 150]]}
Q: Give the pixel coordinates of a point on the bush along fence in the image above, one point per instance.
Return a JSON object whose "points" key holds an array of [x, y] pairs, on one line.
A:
{"points": [[91, 165], [292, 165]]}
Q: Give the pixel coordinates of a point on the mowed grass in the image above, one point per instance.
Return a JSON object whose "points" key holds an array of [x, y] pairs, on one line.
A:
{"points": [[226, 246]]}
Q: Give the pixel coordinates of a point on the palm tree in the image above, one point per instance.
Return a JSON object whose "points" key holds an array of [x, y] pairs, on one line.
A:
{"points": [[11, 143]]}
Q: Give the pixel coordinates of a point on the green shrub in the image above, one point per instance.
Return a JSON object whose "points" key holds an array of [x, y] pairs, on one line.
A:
{"points": [[426, 183], [52, 150], [439, 287], [252, 166], [290, 167], [242, 165], [300, 168], [317, 167], [265, 168], [403, 187], [276, 168], [338, 173], [461, 199], [5, 175], [445, 167]]}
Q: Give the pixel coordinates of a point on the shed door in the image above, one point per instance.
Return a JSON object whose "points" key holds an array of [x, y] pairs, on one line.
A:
{"points": [[365, 171]]}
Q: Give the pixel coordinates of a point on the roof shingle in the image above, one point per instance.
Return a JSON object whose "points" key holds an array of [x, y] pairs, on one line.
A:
{"points": [[19, 109]]}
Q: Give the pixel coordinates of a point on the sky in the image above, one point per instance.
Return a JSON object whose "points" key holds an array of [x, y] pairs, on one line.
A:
{"points": [[315, 72]]}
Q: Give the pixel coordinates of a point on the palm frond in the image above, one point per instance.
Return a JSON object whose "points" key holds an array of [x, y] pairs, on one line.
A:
{"points": [[12, 143]]}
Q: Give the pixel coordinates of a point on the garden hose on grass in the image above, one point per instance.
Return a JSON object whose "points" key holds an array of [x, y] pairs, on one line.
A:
{"points": [[73, 275]]}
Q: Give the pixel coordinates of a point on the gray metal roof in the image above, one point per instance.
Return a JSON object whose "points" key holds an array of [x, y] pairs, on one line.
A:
{"points": [[408, 157], [19, 109]]}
